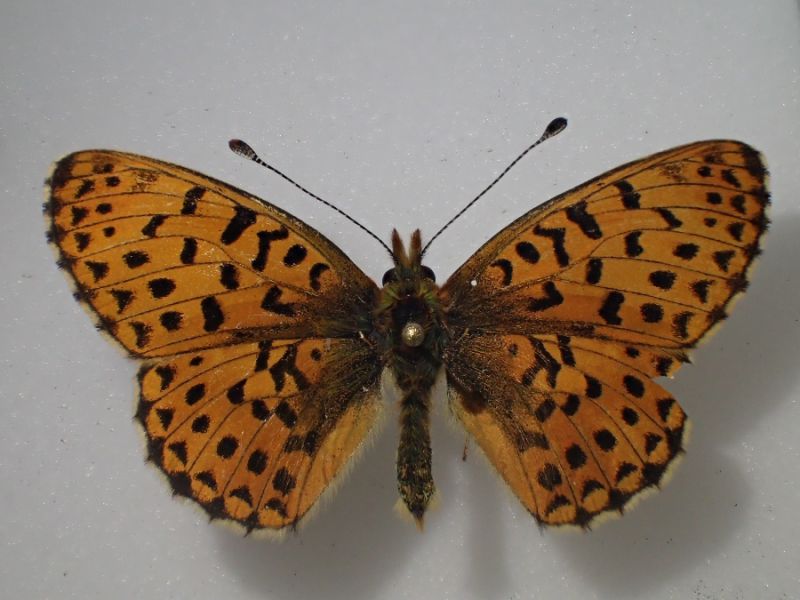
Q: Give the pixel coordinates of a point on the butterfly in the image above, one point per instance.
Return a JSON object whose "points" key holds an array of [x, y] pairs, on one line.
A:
{"points": [[263, 344]]}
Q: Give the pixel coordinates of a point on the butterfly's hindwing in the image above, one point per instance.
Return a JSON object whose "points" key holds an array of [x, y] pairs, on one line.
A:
{"points": [[256, 432], [574, 433]]}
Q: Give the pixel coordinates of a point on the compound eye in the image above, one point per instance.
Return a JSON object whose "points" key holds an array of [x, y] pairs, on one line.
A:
{"points": [[428, 273], [390, 275]]}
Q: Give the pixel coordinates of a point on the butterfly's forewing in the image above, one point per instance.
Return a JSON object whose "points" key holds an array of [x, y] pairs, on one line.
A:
{"points": [[171, 260], [563, 318], [257, 389]]}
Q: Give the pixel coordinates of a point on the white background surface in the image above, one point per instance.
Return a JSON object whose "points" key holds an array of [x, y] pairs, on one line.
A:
{"points": [[399, 112]]}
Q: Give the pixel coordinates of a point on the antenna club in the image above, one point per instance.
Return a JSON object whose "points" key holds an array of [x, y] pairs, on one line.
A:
{"points": [[242, 148], [555, 127]]}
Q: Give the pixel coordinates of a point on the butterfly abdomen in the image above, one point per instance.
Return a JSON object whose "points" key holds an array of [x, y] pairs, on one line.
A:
{"points": [[414, 475]]}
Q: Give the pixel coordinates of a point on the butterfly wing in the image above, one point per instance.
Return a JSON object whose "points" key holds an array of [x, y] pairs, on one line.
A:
{"points": [[563, 318], [256, 432], [171, 260], [257, 386]]}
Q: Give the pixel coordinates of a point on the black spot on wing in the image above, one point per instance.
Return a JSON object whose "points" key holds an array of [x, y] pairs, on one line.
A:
{"points": [[87, 185], [527, 252], [161, 287], [670, 218], [594, 389], [576, 457], [686, 251], [652, 312], [557, 237], [213, 317], [634, 385], [700, 289], [142, 331], [243, 494], [165, 416], [271, 303], [506, 267], [632, 246], [609, 311], [663, 280], [153, 224], [572, 404], [257, 462], [564, 348], [630, 197], [82, 240], [551, 298], [680, 324], [227, 447], [123, 298], [286, 414], [549, 477], [98, 269], [190, 199], [736, 230], [738, 202], [265, 239], [605, 440], [229, 276], [135, 259], [723, 259], [314, 275], [544, 410], [295, 255], [189, 251], [195, 393], [594, 270], [262, 358], [171, 320], [286, 366], [588, 224], [283, 481], [241, 220], [79, 213], [730, 177]]}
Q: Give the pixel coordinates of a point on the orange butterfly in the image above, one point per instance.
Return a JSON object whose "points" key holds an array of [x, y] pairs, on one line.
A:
{"points": [[263, 344]]}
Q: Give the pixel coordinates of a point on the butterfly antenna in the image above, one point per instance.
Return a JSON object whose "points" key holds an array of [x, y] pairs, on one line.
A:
{"points": [[243, 149], [555, 127]]}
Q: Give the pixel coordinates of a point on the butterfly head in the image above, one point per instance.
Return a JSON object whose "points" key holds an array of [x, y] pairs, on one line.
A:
{"points": [[409, 307], [407, 264]]}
